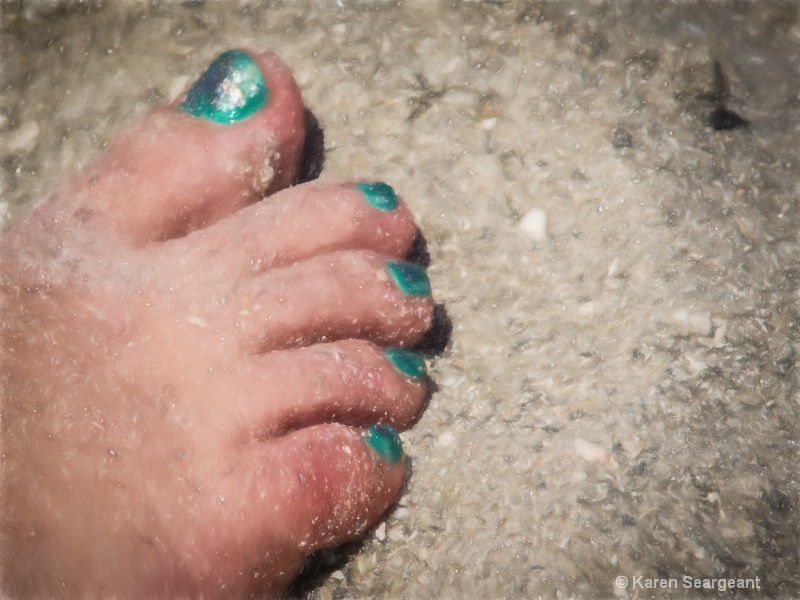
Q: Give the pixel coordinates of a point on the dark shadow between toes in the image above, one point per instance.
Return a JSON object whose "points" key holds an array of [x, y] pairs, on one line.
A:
{"points": [[313, 151], [419, 254], [318, 567], [437, 338]]}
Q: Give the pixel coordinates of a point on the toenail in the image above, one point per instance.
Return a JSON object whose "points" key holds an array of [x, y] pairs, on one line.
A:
{"points": [[409, 363], [410, 278], [231, 90], [379, 194], [385, 441]]}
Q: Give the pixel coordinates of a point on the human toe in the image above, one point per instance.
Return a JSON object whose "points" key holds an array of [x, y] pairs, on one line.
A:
{"points": [[308, 220], [341, 295], [316, 488], [236, 136], [353, 382]]}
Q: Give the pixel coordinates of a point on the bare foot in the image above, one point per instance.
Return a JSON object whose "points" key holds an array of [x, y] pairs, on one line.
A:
{"points": [[188, 376]]}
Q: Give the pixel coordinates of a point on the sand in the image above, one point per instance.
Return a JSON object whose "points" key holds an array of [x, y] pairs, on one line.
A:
{"points": [[619, 397]]}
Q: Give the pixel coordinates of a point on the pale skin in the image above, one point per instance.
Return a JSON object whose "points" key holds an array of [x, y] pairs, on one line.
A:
{"points": [[187, 370]]}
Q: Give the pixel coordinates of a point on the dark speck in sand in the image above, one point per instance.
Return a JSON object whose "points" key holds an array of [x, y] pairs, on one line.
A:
{"points": [[723, 119]]}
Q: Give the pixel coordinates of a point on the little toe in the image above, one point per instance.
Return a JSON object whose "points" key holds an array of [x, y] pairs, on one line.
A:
{"points": [[352, 382], [307, 220], [318, 487], [335, 296], [234, 137]]}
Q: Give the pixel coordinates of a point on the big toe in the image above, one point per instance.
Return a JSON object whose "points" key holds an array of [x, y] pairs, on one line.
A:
{"points": [[234, 137]]}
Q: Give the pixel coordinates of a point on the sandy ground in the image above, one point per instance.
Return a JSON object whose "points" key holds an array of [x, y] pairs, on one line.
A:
{"points": [[620, 394]]}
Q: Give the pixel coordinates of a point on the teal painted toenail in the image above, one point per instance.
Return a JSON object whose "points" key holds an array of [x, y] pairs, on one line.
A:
{"points": [[383, 439], [231, 90], [408, 363], [379, 194], [409, 277]]}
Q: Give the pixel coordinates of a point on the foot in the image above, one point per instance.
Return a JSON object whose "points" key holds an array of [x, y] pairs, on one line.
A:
{"points": [[199, 389]]}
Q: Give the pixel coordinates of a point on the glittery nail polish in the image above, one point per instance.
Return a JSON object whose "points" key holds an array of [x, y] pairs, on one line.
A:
{"points": [[378, 194], [409, 363], [385, 441], [232, 89], [410, 278]]}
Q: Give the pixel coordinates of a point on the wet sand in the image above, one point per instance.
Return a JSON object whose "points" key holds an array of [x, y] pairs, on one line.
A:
{"points": [[617, 251]]}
